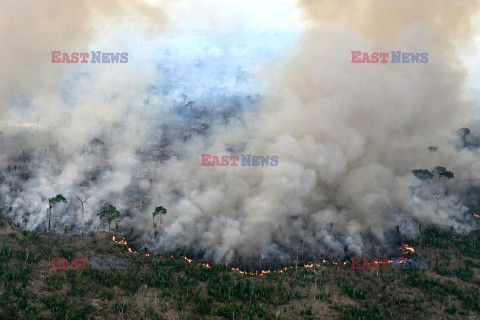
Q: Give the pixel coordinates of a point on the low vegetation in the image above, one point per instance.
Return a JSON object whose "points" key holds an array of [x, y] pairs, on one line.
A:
{"points": [[154, 287]]}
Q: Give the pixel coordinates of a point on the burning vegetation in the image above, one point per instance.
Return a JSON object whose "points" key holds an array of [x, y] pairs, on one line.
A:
{"points": [[156, 286], [362, 166], [74, 216]]}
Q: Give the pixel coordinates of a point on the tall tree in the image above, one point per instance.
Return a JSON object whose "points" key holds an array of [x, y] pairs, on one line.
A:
{"points": [[463, 133], [158, 210], [110, 213], [437, 195], [52, 202], [82, 200]]}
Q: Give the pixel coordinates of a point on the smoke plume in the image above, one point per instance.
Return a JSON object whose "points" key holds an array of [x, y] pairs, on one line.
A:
{"points": [[347, 136]]}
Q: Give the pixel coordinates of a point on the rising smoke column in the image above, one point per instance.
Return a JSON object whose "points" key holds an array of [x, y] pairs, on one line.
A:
{"points": [[363, 127], [29, 32], [347, 136]]}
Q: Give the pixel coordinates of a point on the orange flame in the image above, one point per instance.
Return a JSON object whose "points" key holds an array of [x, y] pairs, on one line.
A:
{"points": [[191, 260], [123, 241], [476, 215], [259, 273], [408, 249], [403, 260]]}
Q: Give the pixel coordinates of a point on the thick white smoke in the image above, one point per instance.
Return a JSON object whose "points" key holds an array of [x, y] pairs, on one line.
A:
{"points": [[347, 136]]}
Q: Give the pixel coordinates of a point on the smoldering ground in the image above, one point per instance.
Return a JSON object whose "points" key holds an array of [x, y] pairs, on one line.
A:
{"points": [[347, 135]]}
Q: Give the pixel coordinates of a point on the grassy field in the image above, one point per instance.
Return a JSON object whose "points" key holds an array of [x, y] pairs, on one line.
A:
{"points": [[155, 287]]}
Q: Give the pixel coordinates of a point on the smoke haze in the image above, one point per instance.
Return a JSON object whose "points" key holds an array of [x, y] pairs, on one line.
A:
{"points": [[347, 135]]}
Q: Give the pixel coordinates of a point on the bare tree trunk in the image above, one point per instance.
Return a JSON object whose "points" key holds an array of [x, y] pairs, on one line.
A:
{"points": [[49, 217], [315, 287]]}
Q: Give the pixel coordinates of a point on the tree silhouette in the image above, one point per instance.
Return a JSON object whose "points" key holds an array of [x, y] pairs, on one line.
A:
{"points": [[422, 174], [443, 172], [463, 132], [52, 202], [82, 200], [438, 172], [110, 213], [158, 210], [437, 195]]}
